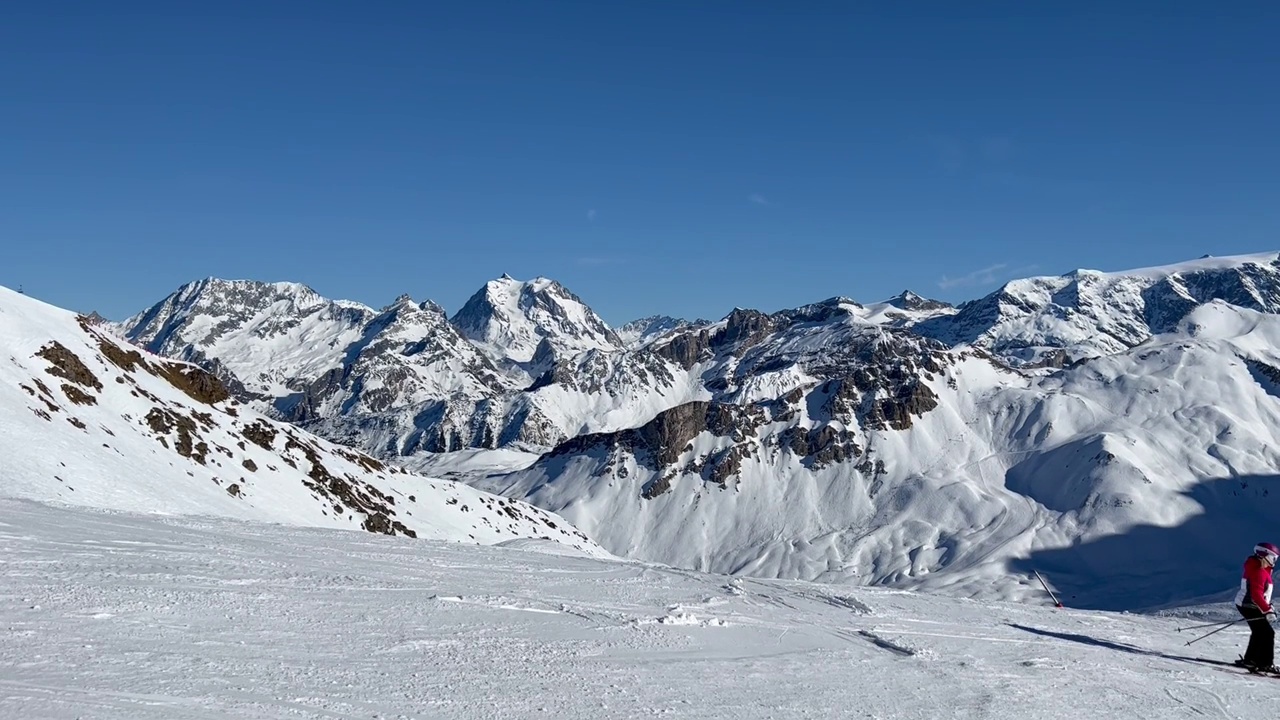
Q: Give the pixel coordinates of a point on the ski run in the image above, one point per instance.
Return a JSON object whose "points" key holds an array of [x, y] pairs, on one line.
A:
{"points": [[111, 615]]}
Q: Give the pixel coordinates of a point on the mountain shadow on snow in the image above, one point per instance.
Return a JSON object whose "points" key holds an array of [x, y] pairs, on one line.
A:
{"points": [[1148, 566]]}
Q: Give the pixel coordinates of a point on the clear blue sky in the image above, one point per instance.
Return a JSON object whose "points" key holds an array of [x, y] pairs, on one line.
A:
{"points": [[679, 158]]}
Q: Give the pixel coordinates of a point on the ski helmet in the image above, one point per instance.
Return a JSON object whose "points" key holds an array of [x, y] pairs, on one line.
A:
{"points": [[1267, 552]]}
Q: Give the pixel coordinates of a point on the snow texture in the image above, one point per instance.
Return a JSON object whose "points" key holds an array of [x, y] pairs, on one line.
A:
{"points": [[118, 616]]}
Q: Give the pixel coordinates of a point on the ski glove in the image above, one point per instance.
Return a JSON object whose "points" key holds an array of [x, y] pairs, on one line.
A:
{"points": [[1270, 616]]}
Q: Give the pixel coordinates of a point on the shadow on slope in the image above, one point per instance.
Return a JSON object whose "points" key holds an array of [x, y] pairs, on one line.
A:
{"points": [[1151, 566], [1122, 647]]}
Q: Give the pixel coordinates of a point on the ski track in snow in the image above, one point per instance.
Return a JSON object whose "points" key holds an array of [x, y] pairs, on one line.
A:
{"points": [[114, 616]]}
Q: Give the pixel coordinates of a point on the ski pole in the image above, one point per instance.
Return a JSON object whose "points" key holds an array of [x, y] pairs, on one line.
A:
{"points": [[1212, 624], [1224, 627], [1045, 585]]}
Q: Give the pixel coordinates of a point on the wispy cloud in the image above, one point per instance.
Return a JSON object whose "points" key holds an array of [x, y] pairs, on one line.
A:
{"points": [[591, 215], [759, 199], [987, 276]]}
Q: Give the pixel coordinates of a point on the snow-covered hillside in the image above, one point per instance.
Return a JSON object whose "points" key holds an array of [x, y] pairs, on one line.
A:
{"points": [[86, 419], [122, 617]]}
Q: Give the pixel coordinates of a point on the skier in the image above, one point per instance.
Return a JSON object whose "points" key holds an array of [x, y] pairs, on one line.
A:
{"points": [[1254, 603]]}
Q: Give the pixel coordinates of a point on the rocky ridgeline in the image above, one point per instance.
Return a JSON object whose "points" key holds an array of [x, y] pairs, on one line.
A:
{"points": [[527, 364]]}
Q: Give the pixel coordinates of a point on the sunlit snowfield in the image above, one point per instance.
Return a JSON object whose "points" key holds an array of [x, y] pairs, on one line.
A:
{"points": [[139, 617]]}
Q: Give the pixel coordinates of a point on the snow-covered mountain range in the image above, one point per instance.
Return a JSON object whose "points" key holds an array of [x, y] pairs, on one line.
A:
{"points": [[88, 420], [904, 442]]}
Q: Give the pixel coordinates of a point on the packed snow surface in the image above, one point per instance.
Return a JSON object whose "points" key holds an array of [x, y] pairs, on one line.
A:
{"points": [[122, 616]]}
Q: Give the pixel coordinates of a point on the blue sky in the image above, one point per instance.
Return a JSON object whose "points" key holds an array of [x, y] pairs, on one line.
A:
{"points": [[677, 158]]}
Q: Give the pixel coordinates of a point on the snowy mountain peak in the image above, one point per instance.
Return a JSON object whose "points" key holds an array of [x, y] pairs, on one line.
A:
{"points": [[509, 319], [639, 333], [262, 334], [1088, 313], [908, 300]]}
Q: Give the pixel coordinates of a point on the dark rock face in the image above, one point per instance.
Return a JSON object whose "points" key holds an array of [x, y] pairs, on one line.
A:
{"points": [[260, 434], [199, 385], [1165, 305], [894, 410], [65, 364], [911, 301], [687, 349], [667, 435], [744, 329], [820, 446]]}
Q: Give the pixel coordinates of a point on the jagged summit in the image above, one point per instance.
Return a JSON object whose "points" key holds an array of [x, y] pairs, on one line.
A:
{"points": [[509, 319], [907, 300]]}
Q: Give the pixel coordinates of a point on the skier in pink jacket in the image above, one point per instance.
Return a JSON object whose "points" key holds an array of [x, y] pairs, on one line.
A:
{"points": [[1254, 603]]}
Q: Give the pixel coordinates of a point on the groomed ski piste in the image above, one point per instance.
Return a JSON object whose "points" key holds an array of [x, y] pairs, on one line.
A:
{"points": [[113, 615]]}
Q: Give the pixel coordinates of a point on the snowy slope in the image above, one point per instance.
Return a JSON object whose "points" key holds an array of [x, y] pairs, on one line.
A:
{"points": [[88, 420], [121, 617]]}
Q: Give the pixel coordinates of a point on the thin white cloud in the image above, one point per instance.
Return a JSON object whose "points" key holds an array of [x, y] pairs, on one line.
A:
{"points": [[759, 199], [985, 276], [988, 276]]}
